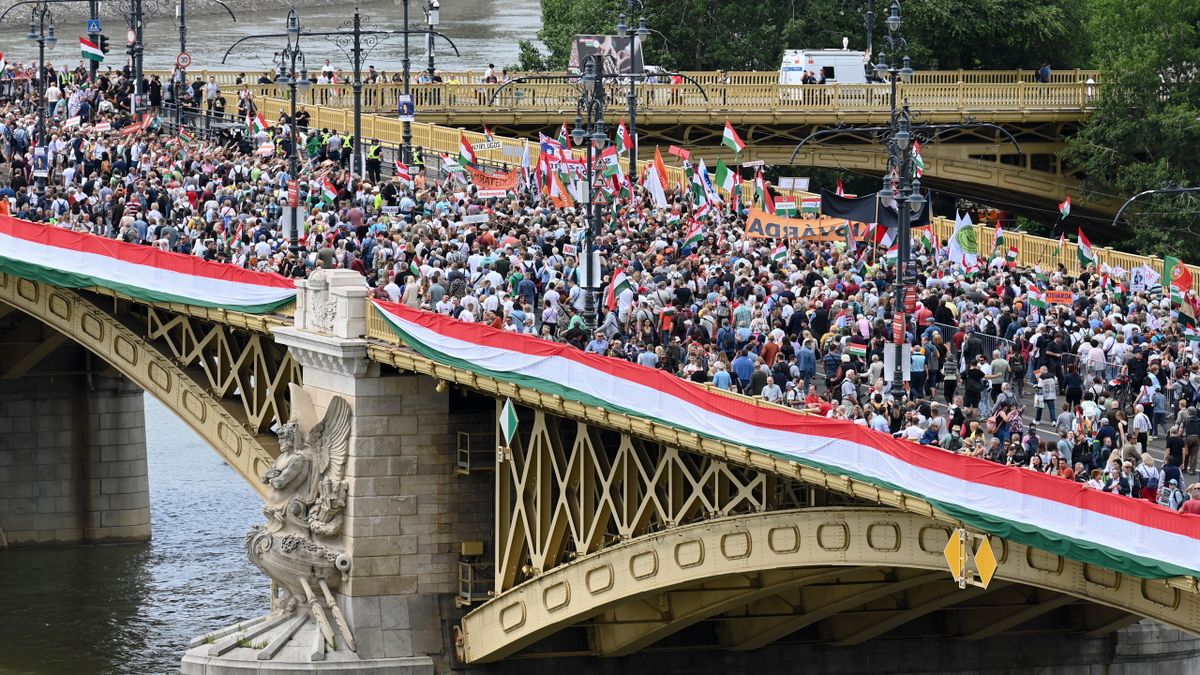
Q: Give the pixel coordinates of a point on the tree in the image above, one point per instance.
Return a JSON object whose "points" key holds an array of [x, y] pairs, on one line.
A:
{"points": [[1146, 126], [712, 35]]}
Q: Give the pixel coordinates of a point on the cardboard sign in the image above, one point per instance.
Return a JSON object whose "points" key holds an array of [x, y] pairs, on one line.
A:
{"points": [[1059, 297], [391, 210], [763, 225], [475, 219], [491, 194], [487, 145], [569, 249]]}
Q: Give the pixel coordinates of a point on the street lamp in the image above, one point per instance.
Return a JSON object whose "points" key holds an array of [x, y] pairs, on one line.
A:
{"points": [[637, 72], [43, 35], [289, 58], [589, 132], [433, 13]]}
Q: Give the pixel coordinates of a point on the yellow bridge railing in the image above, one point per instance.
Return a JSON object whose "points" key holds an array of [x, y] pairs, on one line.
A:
{"points": [[561, 98], [226, 77], [1048, 255]]}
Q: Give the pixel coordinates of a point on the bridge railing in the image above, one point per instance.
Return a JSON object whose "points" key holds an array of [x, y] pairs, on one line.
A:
{"points": [[226, 77], [1046, 253], [561, 98]]}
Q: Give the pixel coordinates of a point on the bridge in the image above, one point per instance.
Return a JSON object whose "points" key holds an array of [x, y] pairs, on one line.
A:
{"points": [[774, 118], [630, 512]]}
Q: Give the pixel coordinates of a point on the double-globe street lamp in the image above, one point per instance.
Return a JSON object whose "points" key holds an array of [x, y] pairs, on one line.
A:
{"points": [[589, 131], [637, 71], [287, 74], [44, 35]]}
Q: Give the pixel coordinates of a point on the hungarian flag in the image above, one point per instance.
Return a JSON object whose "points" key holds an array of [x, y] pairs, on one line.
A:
{"points": [[779, 253], [893, 253], [1065, 208], [608, 160], [466, 154], [841, 191], [255, 123], [90, 50], [564, 138], [1010, 258], [997, 236], [731, 140], [1179, 276], [619, 284], [763, 193], [402, 172], [725, 177], [918, 162], [487, 134], [186, 136], [1035, 296], [702, 212], [1084, 250], [328, 192], [857, 349], [624, 142], [695, 234]]}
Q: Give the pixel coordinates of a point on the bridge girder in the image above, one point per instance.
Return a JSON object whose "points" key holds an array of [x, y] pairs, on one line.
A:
{"points": [[169, 361], [640, 586]]}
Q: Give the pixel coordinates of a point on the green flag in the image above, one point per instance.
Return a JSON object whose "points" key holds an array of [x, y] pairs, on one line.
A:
{"points": [[508, 421]]}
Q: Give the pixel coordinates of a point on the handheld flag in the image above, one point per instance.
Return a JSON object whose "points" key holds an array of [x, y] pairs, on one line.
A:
{"points": [[89, 50], [1065, 208], [466, 154], [620, 283], [564, 138], [1084, 250], [625, 142], [725, 177], [695, 234], [841, 191], [487, 134], [731, 140], [402, 172], [779, 253], [918, 162], [328, 192], [1178, 275]]}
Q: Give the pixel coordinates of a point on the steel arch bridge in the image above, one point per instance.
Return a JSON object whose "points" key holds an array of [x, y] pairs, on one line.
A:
{"points": [[615, 533]]}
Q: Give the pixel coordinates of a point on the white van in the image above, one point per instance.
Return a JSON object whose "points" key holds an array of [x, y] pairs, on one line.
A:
{"points": [[843, 66]]}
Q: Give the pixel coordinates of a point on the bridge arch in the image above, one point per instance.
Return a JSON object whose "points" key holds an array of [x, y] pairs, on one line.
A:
{"points": [[101, 333], [645, 589]]}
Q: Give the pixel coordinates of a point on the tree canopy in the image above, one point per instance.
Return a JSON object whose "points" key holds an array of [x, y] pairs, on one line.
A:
{"points": [[1146, 127], [711, 35]]}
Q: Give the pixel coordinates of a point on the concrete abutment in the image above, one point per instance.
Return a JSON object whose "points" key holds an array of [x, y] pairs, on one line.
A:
{"points": [[73, 461]]}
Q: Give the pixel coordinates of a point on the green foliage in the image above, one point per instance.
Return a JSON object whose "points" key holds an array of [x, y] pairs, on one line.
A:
{"points": [[529, 59], [1146, 126], [712, 35]]}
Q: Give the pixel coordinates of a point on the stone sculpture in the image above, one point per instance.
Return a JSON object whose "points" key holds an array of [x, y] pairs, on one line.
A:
{"points": [[297, 548]]}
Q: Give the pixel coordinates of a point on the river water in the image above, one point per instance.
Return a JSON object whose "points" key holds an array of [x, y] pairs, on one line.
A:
{"points": [[485, 31]]}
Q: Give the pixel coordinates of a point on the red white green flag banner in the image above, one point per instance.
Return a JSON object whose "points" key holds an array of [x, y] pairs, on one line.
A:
{"points": [[78, 260], [1128, 535]]}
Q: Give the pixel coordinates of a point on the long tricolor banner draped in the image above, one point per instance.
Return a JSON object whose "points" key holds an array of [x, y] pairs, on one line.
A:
{"points": [[1129, 535], [77, 260]]}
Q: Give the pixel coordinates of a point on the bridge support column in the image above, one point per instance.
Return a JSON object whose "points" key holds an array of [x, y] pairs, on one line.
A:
{"points": [[405, 511], [72, 460]]}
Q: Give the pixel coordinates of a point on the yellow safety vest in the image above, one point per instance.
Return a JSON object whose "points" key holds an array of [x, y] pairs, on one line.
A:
{"points": [[373, 153], [348, 142]]}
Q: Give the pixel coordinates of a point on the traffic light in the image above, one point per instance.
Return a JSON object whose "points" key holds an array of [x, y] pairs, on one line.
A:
{"points": [[104, 44]]}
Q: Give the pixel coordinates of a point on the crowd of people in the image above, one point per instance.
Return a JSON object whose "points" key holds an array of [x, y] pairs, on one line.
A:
{"points": [[1086, 391]]}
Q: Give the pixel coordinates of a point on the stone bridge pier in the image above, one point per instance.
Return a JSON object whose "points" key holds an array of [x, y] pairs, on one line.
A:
{"points": [[72, 444], [406, 512]]}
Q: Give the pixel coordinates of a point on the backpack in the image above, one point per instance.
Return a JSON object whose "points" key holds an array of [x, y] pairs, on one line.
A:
{"points": [[1016, 364], [1192, 426]]}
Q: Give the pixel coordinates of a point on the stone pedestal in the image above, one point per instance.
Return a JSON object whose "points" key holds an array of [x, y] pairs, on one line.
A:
{"points": [[406, 512], [72, 461]]}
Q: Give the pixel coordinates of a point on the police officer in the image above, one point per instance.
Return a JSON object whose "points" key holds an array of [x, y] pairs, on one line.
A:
{"points": [[418, 162], [347, 150], [374, 160]]}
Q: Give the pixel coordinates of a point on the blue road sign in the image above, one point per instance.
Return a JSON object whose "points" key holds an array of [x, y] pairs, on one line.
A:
{"points": [[93, 26]]}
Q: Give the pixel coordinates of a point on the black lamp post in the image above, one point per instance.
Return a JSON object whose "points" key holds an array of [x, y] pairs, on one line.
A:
{"points": [[900, 185], [637, 72], [433, 15], [589, 131], [289, 58], [43, 35]]}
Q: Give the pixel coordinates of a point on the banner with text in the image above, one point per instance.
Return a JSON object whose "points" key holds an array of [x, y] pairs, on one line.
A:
{"points": [[494, 181], [763, 225]]}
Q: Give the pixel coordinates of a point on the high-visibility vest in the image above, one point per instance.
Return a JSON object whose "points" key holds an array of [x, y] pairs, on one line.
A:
{"points": [[373, 152], [418, 157], [348, 142]]}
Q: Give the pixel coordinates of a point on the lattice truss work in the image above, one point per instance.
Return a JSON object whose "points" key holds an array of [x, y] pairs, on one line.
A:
{"points": [[233, 364], [565, 489]]}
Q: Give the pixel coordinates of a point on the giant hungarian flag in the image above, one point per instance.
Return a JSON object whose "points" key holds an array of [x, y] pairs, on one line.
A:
{"points": [[466, 153], [1084, 250], [731, 140], [90, 50]]}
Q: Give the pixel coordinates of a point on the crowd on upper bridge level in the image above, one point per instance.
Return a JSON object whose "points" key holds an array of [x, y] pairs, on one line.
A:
{"points": [[1087, 391]]}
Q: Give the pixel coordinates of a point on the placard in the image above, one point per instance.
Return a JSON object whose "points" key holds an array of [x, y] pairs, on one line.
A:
{"points": [[405, 110], [763, 225], [487, 145], [476, 219], [390, 210], [491, 194], [1059, 297]]}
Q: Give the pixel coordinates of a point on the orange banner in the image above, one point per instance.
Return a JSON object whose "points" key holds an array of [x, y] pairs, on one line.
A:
{"points": [[494, 181], [763, 225]]}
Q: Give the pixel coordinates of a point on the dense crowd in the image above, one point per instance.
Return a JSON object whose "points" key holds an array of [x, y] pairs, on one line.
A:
{"points": [[1077, 390]]}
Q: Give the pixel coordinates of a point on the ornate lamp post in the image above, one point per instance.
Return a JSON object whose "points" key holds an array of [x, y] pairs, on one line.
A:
{"points": [[43, 34], [289, 58], [589, 132], [637, 72]]}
